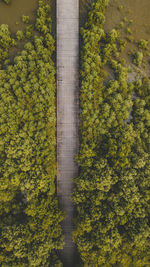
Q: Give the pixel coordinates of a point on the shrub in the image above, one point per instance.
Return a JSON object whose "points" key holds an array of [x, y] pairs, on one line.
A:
{"points": [[19, 35], [138, 58], [25, 19], [7, 1], [143, 44]]}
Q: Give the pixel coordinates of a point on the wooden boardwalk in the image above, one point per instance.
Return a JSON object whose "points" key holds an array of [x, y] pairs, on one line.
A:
{"points": [[67, 18]]}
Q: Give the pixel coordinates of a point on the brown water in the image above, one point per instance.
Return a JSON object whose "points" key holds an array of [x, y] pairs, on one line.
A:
{"points": [[85, 6], [12, 13], [53, 14], [136, 10], [12, 16]]}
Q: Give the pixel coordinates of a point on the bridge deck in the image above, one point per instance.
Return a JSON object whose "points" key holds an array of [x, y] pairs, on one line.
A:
{"points": [[67, 111]]}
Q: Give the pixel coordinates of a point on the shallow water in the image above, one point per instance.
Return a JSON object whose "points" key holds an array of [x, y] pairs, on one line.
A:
{"points": [[52, 4], [134, 14], [135, 10], [12, 13], [85, 6], [12, 16]]}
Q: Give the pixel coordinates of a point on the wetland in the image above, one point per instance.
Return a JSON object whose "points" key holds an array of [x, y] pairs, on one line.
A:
{"points": [[129, 17]]}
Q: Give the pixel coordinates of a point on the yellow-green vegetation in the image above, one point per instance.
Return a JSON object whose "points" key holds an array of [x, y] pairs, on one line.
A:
{"points": [[19, 35], [30, 230], [137, 58], [6, 1], [6, 42], [25, 19], [143, 44], [111, 191]]}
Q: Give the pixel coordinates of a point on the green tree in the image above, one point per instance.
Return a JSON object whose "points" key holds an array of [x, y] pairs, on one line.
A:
{"points": [[30, 220], [111, 191]]}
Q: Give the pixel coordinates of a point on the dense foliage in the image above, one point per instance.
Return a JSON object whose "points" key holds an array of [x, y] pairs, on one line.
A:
{"points": [[111, 193], [30, 230]]}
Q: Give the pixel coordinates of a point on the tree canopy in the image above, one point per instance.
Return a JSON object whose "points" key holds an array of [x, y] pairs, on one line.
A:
{"points": [[111, 191], [30, 220]]}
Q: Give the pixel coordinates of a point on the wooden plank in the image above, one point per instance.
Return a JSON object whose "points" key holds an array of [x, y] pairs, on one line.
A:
{"points": [[67, 16]]}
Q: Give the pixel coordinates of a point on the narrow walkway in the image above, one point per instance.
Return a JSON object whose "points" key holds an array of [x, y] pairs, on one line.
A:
{"points": [[67, 18]]}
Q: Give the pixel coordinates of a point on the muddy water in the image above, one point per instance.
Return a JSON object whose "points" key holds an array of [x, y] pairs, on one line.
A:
{"points": [[12, 16], [135, 15], [85, 6], [53, 15], [136, 10], [12, 13]]}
